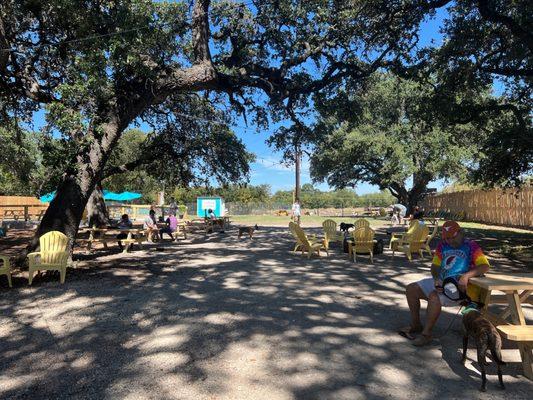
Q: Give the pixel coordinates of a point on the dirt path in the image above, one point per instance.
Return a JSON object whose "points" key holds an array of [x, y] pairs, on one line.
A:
{"points": [[222, 318]]}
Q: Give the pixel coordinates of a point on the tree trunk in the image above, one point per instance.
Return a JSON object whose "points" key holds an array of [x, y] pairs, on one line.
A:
{"points": [[65, 211], [96, 209]]}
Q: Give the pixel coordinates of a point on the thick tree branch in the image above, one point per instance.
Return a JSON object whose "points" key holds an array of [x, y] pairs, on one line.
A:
{"points": [[508, 71], [490, 14], [200, 31]]}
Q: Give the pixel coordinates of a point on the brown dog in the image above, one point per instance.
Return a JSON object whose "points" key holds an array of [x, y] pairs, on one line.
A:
{"points": [[248, 229], [487, 338]]}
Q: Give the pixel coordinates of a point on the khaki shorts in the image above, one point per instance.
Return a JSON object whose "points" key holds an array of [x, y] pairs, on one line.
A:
{"points": [[428, 285]]}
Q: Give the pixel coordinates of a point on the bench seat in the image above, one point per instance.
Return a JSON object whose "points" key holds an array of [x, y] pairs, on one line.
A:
{"points": [[517, 333]]}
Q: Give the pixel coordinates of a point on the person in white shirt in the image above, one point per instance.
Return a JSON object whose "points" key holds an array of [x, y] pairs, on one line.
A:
{"points": [[296, 211], [150, 226]]}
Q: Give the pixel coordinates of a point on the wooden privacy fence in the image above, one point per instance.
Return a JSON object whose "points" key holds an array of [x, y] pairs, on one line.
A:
{"points": [[502, 207]]}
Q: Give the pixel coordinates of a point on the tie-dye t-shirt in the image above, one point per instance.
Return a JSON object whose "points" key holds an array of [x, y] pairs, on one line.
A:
{"points": [[457, 261]]}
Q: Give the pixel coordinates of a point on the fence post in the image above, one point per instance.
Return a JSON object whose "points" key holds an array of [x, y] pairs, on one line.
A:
{"points": [[26, 213]]}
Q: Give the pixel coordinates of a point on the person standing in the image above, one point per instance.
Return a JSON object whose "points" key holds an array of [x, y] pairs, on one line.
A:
{"points": [[296, 211], [172, 207], [400, 211]]}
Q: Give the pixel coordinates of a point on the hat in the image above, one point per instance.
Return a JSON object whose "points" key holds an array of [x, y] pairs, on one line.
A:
{"points": [[450, 229]]}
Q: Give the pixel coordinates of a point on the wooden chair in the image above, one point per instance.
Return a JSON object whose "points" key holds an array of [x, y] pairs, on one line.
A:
{"points": [[397, 237], [429, 238], [361, 223], [362, 242], [5, 268], [303, 242], [53, 255], [299, 243], [330, 232], [413, 242]]}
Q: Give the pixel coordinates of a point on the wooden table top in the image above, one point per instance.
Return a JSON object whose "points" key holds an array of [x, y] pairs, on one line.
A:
{"points": [[504, 281]]}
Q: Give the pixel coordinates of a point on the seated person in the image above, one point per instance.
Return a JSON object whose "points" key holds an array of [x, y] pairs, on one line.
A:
{"points": [[418, 214], [172, 225], [124, 224], [214, 220], [455, 257], [150, 226]]}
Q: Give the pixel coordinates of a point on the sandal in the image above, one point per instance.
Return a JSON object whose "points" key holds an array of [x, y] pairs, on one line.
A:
{"points": [[408, 332], [422, 340]]}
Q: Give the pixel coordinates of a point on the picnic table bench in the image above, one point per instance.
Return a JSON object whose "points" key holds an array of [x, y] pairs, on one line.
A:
{"points": [[107, 235], [181, 229], [23, 212], [15, 213], [517, 288]]}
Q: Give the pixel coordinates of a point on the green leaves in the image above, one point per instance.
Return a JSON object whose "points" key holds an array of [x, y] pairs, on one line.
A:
{"points": [[396, 135]]}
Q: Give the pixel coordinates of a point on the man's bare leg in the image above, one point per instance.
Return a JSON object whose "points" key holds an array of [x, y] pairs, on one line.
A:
{"points": [[432, 313], [414, 294]]}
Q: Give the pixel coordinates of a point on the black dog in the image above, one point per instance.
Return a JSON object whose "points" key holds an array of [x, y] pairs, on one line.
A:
{"points": [[345, 227], [487, 338]]}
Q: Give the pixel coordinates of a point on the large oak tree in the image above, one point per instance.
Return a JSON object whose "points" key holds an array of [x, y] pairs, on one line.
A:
{"points": [[97, 66]]}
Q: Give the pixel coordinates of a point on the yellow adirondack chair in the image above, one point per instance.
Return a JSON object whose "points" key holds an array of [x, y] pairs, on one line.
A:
{"points": [[330, 232], [361, 223], [53, 255], [397, 237], [363, 242], [303, 242], [413, 242], [5, 269], [311, 238], [429, 238]]}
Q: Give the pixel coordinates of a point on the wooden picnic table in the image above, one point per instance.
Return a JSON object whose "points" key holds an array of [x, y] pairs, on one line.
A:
{"points": [[105, 235], [517, 289]]}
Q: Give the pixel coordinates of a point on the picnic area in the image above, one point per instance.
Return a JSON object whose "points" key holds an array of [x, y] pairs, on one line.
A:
{"points": [[229, 318], [266, 199]]}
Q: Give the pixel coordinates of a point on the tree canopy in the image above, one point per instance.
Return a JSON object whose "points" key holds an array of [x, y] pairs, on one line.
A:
{"points": [[97, 67], [386, 133]]}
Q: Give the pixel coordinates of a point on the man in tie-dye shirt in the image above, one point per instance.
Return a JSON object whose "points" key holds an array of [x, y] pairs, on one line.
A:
{"points": [[455, 256]]}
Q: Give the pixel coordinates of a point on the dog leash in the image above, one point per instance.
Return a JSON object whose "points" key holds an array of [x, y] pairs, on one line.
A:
{"points": [[451, 323]]}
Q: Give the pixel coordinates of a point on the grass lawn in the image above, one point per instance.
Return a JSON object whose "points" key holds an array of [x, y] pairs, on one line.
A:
{"points": [[307, 220]]}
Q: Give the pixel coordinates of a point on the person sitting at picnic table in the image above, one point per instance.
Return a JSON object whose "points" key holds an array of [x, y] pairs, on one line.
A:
{"points": [[456, 258], [172, 226], [417, 213], [124, 224], [211, 214], [150, 226]]}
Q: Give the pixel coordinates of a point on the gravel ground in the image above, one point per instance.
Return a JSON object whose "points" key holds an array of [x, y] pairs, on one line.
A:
{"points": [[228, 318]]}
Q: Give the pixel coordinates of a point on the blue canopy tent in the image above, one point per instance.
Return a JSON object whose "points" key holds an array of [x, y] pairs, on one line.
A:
{"points": [[124, 196]]}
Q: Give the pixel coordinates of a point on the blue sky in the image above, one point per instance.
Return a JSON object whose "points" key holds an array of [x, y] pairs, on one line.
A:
{"points": [[267, 169]]}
